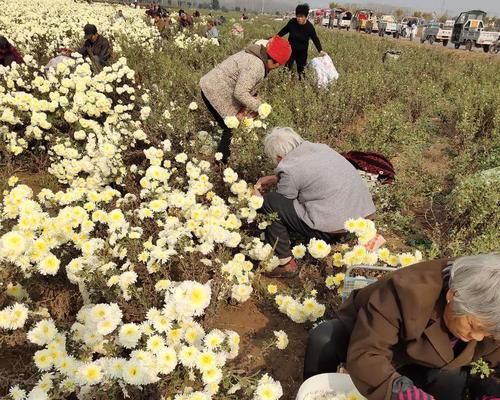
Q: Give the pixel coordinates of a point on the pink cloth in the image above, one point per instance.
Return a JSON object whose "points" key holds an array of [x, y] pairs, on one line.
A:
{"points": [[414, 393]]}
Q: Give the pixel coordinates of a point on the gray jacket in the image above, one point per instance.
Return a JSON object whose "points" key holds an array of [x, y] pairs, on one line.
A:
{"points": [[232, 84], [326, 189]]}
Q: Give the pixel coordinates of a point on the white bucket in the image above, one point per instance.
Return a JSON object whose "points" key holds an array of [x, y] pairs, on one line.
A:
{"points": [[337, 383]]}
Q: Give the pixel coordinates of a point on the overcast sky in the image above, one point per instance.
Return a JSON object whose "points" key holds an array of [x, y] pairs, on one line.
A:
{"points": [[490, 6]]}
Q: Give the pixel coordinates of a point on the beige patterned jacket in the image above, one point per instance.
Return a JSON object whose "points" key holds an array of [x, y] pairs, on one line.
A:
{"points": [[233, 83]]}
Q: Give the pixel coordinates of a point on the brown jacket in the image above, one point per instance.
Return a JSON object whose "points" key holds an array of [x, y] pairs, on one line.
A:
{"points": [[232, 84], [398, 321]]}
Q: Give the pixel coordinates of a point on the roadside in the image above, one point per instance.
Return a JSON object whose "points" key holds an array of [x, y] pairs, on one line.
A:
{"points": [[462, 53]]}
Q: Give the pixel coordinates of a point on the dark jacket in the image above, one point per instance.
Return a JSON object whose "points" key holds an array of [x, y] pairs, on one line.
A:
{"points": [[100, 50], [299, 35], [11, 56], [186, 23], [398, 321]]}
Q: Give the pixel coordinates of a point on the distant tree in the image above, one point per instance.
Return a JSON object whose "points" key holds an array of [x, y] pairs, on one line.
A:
{"points": [[237, 8], [427, 16], [215, 4], [417, 14], [443, 18], [334, 4], [399, 13]]}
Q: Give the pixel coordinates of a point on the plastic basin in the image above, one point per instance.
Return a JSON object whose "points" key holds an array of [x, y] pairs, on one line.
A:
{"points": [[338, 383]]}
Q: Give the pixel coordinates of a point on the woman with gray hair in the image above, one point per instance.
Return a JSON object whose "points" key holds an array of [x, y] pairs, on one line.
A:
{"points": [[317, 191], [414, 334]]}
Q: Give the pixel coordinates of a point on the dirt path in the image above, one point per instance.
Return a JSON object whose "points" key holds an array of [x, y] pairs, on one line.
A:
{"points": [[438, 47]]}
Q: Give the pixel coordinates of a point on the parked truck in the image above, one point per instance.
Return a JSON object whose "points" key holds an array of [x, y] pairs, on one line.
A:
{"points": [[469, 31], [387, 25], [437, 32]]}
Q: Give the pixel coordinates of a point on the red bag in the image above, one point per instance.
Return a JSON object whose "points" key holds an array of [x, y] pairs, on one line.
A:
{"points": [[372, 163]]}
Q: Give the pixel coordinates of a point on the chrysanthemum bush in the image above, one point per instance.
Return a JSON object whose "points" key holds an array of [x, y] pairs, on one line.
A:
{"points": [[302, 306], [85, 120], [101, 239], [193, 41], [59, 24]]}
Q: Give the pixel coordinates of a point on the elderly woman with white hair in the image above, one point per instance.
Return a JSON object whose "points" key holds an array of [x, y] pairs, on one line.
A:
{"points": [[414, 334], [317, 191]]}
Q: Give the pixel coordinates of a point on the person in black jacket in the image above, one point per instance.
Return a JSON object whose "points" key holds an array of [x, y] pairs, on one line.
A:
{"points": [[95, 46], [299, 31]]}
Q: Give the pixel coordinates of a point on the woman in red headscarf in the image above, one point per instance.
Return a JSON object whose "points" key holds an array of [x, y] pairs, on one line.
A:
{"points": [[229, 89]]}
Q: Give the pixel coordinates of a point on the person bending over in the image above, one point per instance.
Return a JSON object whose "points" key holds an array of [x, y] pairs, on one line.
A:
{"points": [[317, 191], [95, 46], [229, 89]]}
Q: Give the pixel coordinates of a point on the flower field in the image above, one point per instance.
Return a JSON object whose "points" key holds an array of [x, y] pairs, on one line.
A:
{"points": [[130, 267]]}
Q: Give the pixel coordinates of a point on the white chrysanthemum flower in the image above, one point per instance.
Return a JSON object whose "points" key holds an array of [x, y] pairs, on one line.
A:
{"points": [[17, 393], [155, 344], [49, 265], [18, 315], [206, 360], [268, 389], [43, 360], [299, 251], [134, 372], [181, 158], [167, 360], [12, 244], [241, 293], [214, 339], [43, 332], [129, 335], [161, 323], [264, 110], [188, 356], [213, 375], [255, 202], [114, 367], [90, 374], [318, 248], [281, 339], [231, 122]]}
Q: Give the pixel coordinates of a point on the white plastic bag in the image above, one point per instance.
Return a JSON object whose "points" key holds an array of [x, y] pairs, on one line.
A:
{"points": [[325, 70], [262, 42], [52, 64]]}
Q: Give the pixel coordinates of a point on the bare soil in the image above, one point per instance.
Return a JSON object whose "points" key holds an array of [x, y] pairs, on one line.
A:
{"points": [[255, 325]]}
